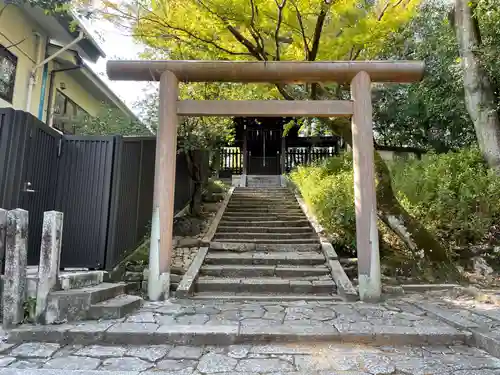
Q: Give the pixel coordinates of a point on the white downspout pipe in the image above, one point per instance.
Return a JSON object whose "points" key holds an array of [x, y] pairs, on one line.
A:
{"points": [[31, 83]]}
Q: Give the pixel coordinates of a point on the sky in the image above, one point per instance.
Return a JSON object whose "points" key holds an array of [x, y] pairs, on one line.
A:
{"points": [[117, 45]]}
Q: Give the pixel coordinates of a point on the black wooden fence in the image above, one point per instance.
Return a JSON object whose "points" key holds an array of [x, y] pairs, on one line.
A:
{"points": [[231, 161], [103, 185], [306, 156]]}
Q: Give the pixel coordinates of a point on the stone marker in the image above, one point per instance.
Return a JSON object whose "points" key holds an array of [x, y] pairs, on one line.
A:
{"points": [[16, 247], [50, 254]]}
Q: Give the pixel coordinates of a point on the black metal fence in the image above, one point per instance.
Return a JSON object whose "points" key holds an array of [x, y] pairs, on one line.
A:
{"points": [[103, 185]]}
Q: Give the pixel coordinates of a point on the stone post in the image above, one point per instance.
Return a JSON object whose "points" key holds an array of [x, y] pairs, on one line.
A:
{"points": [[50, 254], [364, 189], [16, 259], [3, 229]]}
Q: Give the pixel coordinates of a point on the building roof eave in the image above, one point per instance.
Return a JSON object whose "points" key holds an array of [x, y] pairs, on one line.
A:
{"points": [[60, 27], [104, 88]]}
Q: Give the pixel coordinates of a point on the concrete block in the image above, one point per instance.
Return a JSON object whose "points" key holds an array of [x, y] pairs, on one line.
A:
{"points": [[50, 254], [81, 279], [16, 258], [115, 308]]}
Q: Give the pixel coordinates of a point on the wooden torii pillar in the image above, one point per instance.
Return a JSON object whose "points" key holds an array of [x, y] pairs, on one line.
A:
{"points": [[359, 74]]}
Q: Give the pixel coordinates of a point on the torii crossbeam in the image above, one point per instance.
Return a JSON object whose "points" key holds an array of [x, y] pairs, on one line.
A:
{"points": [[360, 75]]}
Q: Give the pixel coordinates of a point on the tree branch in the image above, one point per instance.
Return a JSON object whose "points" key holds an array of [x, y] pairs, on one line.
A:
{"points": [[318, 29], [167, 26], [283, 92], [278, 25], [249, 45], [384, 10], [307, 51]]}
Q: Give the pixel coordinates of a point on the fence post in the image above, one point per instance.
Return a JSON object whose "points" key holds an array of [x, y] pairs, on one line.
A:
{"points": [[50, 255], [3, 229], [16, 259]]}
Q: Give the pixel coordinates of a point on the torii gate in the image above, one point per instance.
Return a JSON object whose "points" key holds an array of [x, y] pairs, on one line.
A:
{"points": [[360, 74]]}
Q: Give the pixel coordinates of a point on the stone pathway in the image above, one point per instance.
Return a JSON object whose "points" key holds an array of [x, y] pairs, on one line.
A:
{"points": [[218, 322], [291, 359], [424, 334]]}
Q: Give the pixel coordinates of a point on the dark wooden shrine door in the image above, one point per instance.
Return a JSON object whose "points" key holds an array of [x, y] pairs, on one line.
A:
{"points": [[263, 151]]}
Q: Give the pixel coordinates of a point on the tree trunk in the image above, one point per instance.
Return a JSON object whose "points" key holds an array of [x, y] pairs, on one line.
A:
{"points": [[390, 211], [194, 170], [479, 97], [215, 162]]}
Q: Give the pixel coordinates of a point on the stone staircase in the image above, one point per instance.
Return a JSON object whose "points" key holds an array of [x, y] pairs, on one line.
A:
{"points": [[85, 295], [255, 181], [264, 247]]}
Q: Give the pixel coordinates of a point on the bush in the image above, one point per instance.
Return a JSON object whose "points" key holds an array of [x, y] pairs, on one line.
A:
{"points": [[454, 196], [328, 189]]}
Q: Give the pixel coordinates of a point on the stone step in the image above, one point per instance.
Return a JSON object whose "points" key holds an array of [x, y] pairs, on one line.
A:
{"points": [[227, 296], [263, 192], [306, 237], [252, 196], [261, 216], [270, 245], [115, 308], [240, 271], [262, 205], [259, 199], [264, 211], [265, 241], [80, 279], [271, 188], [234, 221], [229, 334], [68, 279], [275, 258], [72, 305], [263, 229], [264, 285]]}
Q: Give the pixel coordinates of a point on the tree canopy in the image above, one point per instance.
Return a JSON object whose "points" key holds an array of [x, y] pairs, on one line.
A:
{"points": [[264, 30]]}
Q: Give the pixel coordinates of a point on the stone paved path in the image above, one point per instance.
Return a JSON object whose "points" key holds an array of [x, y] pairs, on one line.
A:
{"points": [[219, 322], [319, 331], [291, 359]]}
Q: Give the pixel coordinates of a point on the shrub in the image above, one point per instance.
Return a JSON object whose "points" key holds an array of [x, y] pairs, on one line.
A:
{"points": [[455, 196], [328, 189]]}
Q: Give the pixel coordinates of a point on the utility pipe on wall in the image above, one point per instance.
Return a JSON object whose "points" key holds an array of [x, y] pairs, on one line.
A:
{"points": [[31, 83]]}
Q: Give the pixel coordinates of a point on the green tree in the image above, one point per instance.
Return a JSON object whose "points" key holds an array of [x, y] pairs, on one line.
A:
{"points": [[430, 114], [285, 30], [110, 121], [479, 89], [198, 138]]}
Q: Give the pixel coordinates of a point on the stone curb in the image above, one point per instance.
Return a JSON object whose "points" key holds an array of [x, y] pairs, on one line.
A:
{"points": [[152, 334], [218, 216], [478, 294], [344, 284], [420, 288], [186, 285], [478, 337]]}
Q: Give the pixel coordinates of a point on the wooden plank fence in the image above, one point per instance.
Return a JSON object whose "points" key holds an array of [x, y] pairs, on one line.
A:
{"points": [[307, 156], [231, 160]]}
